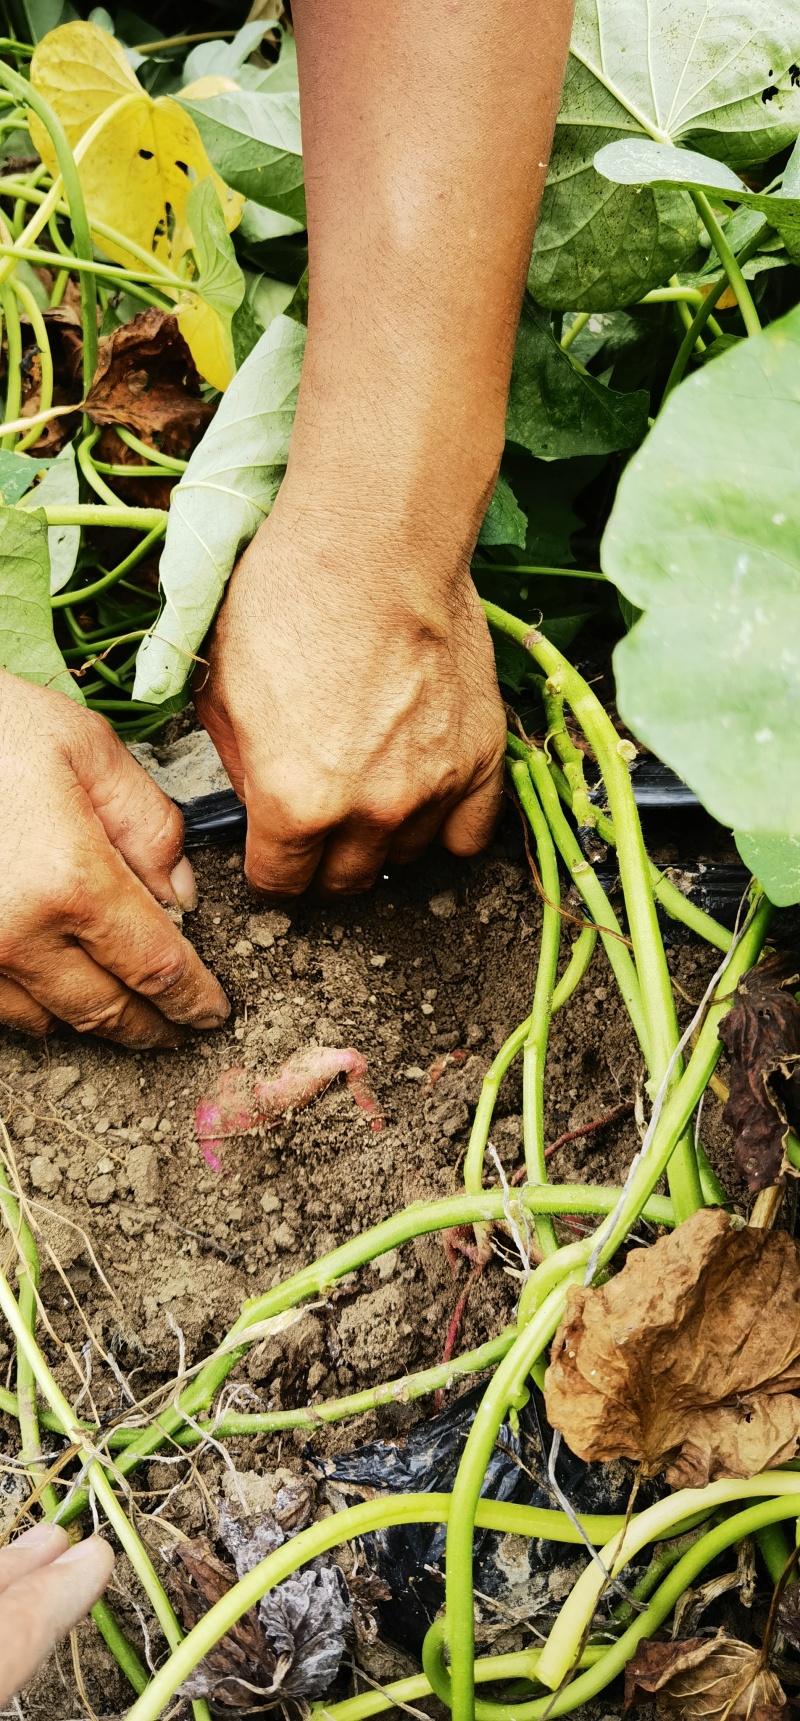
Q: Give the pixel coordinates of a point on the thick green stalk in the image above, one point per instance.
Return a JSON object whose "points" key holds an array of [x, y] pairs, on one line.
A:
{"points": [[508, 1389], [534, 1051], [729, 261], [594, 896], [703, 314], [39, 327], [655, 1523], [331, 1532], [578, 323], [610, 1665], [92, 514], [648, 949], [24, 92], [520, 1664], [14, 362], [416, 1221], [667, 895], [169, 462], [65, 600], [537, 568], [484, 1111], [123, 1652], [27, 1410], [577, 967]]}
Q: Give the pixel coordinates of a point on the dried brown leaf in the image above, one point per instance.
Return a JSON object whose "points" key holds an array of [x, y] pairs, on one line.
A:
{"points": [[146, 380], [702, 1679], [789, 1615], [689, 1358], [761, 1034]]}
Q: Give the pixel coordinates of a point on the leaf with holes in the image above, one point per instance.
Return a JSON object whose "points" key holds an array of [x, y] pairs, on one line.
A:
{"points": [[685, 72], [138, 158]]}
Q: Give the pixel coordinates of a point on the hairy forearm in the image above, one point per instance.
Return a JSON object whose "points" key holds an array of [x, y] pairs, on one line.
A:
{"points": [[426, 130]]}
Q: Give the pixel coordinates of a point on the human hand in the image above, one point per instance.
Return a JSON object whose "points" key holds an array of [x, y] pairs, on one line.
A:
{"points": [[89, 848], [353, 699], [46, 1586]]}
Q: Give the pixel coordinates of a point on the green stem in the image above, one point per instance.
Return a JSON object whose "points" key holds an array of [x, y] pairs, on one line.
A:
{"points": [[65, 600], [27, 1411], [91, 514], [169, 462], [609, 1666], [123, 1652], [594, 896], [39, 327], [508, 1389], [656, 1522], [93, 479], [667, 895], [415, 1221], [24, 91], [14, 356], [677, 294], [703, 315], [729, 261], [122, 278], [580, 957], [578, 323], [648, 949], [534, 1053], [517, 568], [329, 1533]]}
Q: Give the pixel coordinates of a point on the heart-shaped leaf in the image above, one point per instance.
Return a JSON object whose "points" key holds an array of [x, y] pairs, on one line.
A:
{"points": [[27, 642], [205, 316], [224, 495], [705, 538], [138, 170], [253, 140], [555, 409], [683, 72]]}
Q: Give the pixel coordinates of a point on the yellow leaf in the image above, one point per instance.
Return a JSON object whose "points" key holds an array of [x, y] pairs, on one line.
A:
{"points": [[208, 338], [137, 169]]}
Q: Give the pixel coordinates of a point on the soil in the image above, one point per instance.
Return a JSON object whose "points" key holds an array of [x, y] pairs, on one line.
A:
{"points": [[435, 960]]}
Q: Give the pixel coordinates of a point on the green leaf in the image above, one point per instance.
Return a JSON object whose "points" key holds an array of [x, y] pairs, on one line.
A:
{"points": [[226, 492], [775, 862], [641, 162], [221, 58], [555, 410], [59, 488], [27, 642], [680, 72], [705, 538], [504, 521], [282, 76], [219, 279], [253, 141], [17, 473]]}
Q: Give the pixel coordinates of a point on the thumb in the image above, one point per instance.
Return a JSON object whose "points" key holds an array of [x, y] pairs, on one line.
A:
{"points": [[141, 822], [44, 1605]]}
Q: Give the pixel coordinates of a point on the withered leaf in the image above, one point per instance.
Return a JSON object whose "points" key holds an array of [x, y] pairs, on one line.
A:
{"points": [[705, 1679], [146, 380], [789, 1615], [281, 1653], [689, 1358], [761, 1034]]}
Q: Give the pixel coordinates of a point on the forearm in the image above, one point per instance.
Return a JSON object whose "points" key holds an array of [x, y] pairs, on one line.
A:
{"points": [[427, 131]]}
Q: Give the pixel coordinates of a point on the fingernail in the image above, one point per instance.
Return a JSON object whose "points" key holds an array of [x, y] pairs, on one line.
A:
{"points": [[211, 1021], [183, 884]]}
